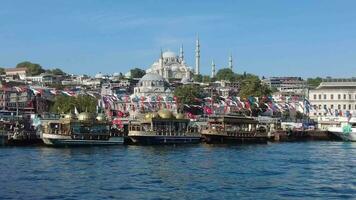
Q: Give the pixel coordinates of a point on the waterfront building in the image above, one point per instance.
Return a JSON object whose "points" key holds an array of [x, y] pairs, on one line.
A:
{"points": [[334, 97]]}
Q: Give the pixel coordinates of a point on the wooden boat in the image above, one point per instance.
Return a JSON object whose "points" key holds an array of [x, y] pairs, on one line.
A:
{"points": [[233, 129], [163, 128], [81, 130]]}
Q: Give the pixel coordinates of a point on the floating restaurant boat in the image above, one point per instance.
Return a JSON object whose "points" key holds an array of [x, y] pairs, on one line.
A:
{"points": [[163, 128], [81, 130], [233, 129], [345, 130]]}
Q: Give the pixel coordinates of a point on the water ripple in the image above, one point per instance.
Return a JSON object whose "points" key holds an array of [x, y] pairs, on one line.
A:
{"points": [[309, 170]]}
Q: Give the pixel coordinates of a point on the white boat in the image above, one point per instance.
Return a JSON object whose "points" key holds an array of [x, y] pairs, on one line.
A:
{"points": [[345, 130]]}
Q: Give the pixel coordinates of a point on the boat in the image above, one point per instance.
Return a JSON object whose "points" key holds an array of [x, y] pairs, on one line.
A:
{"points": [[81, 130], [233, 128], [163, 128], [345, 130]]}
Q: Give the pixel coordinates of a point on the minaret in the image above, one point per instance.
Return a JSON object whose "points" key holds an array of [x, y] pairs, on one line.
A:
{"points": [[161, 67], [230, 62], [181, 54], [197, 57], [212, 69]]}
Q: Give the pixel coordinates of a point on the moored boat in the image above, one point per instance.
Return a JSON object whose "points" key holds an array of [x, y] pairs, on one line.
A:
{"points": [[233, 129], [163, 128], [345, 130], [81, 130]]}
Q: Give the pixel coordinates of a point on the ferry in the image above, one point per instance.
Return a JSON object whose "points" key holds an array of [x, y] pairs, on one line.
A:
{"points": [[232, 128], [163, 128], [81, 130], [345, 130]]}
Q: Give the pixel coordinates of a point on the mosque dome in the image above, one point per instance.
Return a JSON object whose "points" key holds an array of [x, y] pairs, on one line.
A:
{"points": [[169, 54], [165, 114], [151, 77], [85, 116]]}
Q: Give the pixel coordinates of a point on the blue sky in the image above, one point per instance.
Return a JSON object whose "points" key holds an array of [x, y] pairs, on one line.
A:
{"points": [[271, 38]]}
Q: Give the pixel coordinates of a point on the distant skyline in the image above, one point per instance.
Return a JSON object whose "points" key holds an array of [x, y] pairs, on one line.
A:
{"points": [[269, 38]]}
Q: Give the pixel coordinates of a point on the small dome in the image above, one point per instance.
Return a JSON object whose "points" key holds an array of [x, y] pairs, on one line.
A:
{"points": [[148, 116], [101, 117], [154, 115], [69, 116], [152, 77], [165, 114], [85, 116], [169, 54], [179, 116]]}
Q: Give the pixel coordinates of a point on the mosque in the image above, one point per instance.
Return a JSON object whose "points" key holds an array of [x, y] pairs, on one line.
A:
{"points": [[170, 66]]}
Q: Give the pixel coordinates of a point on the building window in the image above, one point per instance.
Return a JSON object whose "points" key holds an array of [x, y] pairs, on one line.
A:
{"points": [[339, 96], [332, 106], [319, 96], [344, 106], [339, 106], [331, 96], [344, 96], [319, 107], [350, 97], [314, 96], [324, 96], [349, 106]]}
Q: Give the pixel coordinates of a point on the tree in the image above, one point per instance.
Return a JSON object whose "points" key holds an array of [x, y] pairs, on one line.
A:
{"points": [[252, 86], [225, 74], [188, 94], [56, 71], [66, 104], [2, 71], [314, 82], [198, 78], [33, 69], [206, 79], [137, 73]]}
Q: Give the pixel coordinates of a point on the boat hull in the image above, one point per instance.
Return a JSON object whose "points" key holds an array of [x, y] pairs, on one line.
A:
{"points": [[350, 137], [66, 141], [150, 140], [212, 139]]}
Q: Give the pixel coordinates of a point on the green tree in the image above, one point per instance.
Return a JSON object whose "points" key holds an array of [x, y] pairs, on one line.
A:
{"points": [[188, 94], [252, 86], [56, 71], [2, 71], [33, 69], [314, 82], [137, 73], [225, 74], [66, 104], [206, 79], [198, 78]]}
